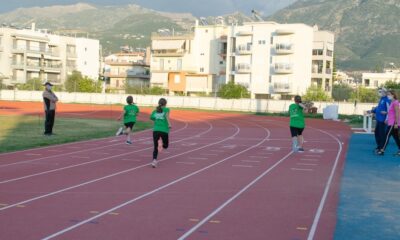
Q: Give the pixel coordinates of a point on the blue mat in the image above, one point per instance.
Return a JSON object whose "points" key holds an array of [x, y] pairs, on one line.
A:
{"points": [[369, 205]]}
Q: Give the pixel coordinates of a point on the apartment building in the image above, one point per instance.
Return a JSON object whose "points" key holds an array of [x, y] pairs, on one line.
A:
{"points": [[30, 53], [375, 80], [271, 60], [127, 68]]}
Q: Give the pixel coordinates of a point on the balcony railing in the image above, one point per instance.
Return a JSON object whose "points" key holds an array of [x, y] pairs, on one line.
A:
{"points": [[282, 87], [243, 49], [284, 31], [19, 65], [31, 49], [283, 68], [243, 68], [165, 53], [245, 33], [71, 55], [284, 48]]}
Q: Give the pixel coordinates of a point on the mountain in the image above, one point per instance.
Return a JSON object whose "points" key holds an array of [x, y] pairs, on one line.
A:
{"points": [[115, 26], [367, 31]]}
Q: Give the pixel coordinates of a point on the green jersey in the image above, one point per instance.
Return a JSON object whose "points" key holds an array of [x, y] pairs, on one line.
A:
{"points": [[130, 114], [160, 120], [296, 116]]}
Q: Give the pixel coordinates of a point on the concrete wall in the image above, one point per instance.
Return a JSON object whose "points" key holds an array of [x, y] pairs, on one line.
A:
{"points": [[245, 105]]}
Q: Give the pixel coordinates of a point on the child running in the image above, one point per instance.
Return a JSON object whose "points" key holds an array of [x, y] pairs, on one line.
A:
{"points": [[297, 124], [160, 116], [392, 122], [130, 113]]}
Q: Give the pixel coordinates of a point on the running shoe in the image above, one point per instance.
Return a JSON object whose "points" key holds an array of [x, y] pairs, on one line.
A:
{"points": [[120, 131], [128, 142], [154, 163], [380, 153], [300, 149]]}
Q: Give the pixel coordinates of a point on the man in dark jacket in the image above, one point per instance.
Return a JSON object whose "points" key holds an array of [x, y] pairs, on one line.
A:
{"points": [[49, 100]]}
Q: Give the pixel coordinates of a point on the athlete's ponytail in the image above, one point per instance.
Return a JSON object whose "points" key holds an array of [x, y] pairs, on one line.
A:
{"points": [[161, 103]]}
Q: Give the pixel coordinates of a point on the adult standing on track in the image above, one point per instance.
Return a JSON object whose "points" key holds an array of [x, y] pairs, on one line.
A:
{"points": [[380, 112], [49, 100], [392, 121], [160, 116], [297, 124]]}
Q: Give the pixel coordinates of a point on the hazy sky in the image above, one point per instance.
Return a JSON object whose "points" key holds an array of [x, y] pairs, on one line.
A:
{"points": [[197, 7]]}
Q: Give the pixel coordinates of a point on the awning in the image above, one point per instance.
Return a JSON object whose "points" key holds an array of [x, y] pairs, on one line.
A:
{"points": [[167, 44]]}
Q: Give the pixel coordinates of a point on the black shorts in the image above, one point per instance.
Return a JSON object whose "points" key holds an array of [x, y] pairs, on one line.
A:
{"points": [[296, 131], [129, 125]]}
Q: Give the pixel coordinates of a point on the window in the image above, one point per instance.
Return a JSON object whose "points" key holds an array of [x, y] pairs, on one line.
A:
{"points": [[85, 49], [221, 62], [177, 79], [201, 54], [270, 79], [206, 30], [261, 42], [272, 40], [376, 84], [161, 64], [201, 69], [179, 64], [366, 82], [318, 52], [329, 53]]}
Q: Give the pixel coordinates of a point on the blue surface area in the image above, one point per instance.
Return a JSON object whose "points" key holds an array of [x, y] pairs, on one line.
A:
{"points": [[369, 206]]}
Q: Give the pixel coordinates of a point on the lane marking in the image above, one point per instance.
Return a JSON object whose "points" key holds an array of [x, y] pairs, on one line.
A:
{"points": [[251, 161], [312, 160], [215, 221], [243, 166], [94, 212], [198, 158], [209, 154], [217, 210], [3, 204], [114, 214], [307, 164], [33, 154], [187, 163], [302, 228], [258, 157], [302, 169]]}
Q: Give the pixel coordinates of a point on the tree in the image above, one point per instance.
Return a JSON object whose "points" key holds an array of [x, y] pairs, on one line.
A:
{"points": [[315, 93], [34, 84], [341, 92], [365, 95], [77, 83], [334, 71], [144, 90], [233, 91]]}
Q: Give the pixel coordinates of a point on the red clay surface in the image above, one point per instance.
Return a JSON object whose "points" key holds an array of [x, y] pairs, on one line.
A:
{"points": [[225, 176]]}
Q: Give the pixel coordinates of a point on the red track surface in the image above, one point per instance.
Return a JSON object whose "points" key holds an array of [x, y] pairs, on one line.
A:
{"points": [[225, 176]]}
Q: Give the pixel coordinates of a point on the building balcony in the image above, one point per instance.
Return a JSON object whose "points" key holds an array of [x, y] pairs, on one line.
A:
{"points": [[244, 50], [283, 68], [52, 68], [245, 33], [168, 53], [284, 48], [18, 65], [282, 87], [71, 55], [33, 65], [127, 75], [243, 68], [284, 31]]}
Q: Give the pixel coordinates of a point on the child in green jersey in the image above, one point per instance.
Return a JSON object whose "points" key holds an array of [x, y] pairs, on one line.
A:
{"points": [[160, 116], [129, 114], [297, 124]]}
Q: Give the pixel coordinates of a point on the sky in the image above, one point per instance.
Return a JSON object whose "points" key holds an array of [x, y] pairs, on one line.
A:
{"points": [[196, 7]]}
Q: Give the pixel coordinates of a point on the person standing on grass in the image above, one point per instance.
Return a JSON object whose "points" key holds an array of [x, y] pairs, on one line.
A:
{"points": [[162, 124], [49, 100], [392, 121], [130, 113], [297, 124], [380, 112]]}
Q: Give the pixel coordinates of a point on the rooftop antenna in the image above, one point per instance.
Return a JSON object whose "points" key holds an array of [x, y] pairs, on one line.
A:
{"points": [[203, 21], [257, 16]]}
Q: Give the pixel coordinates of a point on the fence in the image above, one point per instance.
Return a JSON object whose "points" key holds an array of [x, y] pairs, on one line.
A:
{"points": [[207, 103]]}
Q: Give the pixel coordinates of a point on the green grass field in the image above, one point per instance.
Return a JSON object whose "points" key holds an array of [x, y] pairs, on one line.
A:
{"points": [[26, 132]]}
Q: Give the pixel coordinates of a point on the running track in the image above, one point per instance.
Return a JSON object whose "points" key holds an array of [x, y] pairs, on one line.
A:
{"points": [[225, 176]]}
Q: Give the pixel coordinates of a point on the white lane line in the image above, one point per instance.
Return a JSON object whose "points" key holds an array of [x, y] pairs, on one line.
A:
{"points": [[258, 157], [90, 162], [70, 153], [121, 172], [153, 191], [302, 169], [310, 160], [326, 191], [307, 164], [33, 154], [216, 211], [317, 156], [208, 154], [186, 163], [242, 166], [198, 158], [82, 157], [251, 161]]}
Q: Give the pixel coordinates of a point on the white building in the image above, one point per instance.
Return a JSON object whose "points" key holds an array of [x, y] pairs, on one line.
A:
{"points": [[29, 53], [269, 59], [375, 80]]}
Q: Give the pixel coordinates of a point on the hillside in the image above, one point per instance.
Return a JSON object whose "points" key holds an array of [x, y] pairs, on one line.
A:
{"points": [[115, 26], [367, 31]]}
